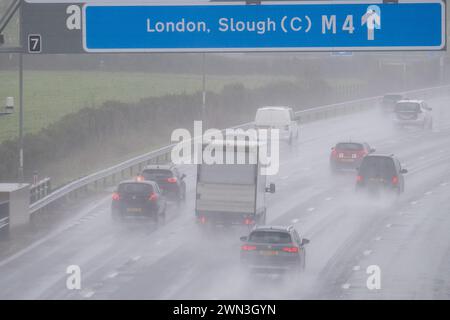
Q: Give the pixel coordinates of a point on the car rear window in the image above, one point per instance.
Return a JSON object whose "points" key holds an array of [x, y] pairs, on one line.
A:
{"points": [[349, 146], [270, 237], [373, 167], [136, 188], [407, 107], [157, 174]]}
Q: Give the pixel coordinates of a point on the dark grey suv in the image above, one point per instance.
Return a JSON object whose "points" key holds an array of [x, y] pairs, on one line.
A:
{"points": [[381, 172], [273, 249]]}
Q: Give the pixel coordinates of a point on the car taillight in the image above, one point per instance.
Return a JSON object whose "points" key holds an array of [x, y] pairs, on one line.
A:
{"points": [[116, 196], [359, 178], [248, 221], [334, 153], [172, 180], [394, 180], [202, 219], [247, 247], [153, 196], [140, 178], [290, 249]]}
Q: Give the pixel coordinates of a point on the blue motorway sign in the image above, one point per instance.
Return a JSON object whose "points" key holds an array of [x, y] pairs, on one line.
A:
{"points": [[274, 26]]}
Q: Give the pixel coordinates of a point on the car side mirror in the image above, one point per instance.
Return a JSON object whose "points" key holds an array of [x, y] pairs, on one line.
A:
{"points": [[403, 171], [244, 238], [183, 176], [271, 188], [304, 241], [372, 150]]}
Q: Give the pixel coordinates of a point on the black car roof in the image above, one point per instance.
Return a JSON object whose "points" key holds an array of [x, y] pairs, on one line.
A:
{"points": [[136, 181], [160, 166], [379, 155]]}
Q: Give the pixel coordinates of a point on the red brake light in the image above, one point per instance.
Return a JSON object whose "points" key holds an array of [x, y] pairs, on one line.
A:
{"points": [[248, 221], [394, 180], [153, 196], [116, 196], [247, 247], [361, 153], [333, 152], [290, 249], [172, 180], [140, 178], [359, 178], [202, 219]]}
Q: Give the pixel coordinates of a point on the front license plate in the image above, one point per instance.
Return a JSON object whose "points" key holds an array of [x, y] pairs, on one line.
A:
{"points": [[134, 209]]}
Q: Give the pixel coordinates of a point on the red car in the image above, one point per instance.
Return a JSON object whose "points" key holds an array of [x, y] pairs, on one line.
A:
{"points": [[348, 155]]}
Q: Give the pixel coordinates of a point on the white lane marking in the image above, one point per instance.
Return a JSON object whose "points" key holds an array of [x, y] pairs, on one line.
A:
{"points": [[377, 239], [428, 193], [295, 220], [421, 157], [346, 286], [112, 275], [356, 268], [136, 258], [311, 209], [414, 202], [329, 199], [444, 184], [389, 225], [284, 177], [87, 293], [158, 242], [367, 252]]}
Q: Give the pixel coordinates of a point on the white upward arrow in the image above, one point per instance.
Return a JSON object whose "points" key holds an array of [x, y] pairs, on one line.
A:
{"points": [[371, 19]]}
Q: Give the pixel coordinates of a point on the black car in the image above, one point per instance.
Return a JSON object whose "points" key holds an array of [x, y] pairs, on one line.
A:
{"points": [[381, 172], [169, 179], [273, 249], [138, 199], [348, 155]]}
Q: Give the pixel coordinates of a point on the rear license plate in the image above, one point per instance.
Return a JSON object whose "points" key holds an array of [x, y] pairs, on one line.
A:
{"points": [[376, 179], [134, 209], [347, 160], [268, 253]]}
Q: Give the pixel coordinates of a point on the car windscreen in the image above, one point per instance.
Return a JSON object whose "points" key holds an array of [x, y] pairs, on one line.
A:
{"points": [[349, 146], [407, 107], [270, 237], [157, 174], [228, 173], [135, 188], [377, 167]]}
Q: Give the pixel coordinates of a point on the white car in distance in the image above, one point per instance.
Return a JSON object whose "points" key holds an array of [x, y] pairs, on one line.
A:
{"points": [[278, 117]]}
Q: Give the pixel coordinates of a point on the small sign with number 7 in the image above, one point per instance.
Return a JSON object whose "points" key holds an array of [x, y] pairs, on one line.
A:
{"points": [[34, 43]]}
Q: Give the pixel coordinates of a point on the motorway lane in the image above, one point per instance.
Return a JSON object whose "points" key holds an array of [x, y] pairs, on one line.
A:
{"points": [[176, 262]]}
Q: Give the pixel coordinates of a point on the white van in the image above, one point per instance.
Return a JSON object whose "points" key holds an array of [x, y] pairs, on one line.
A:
{"points": [[282, 118]]}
